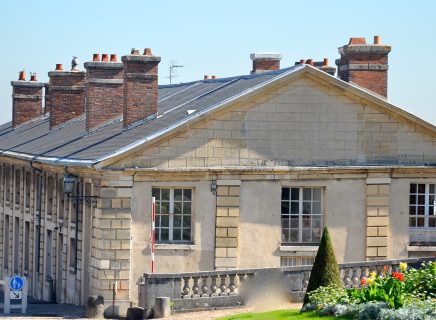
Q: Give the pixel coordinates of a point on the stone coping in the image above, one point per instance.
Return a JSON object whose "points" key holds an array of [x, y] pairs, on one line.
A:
{"points": [[23, 83], [140, 58], [358, 264], [103, 65]]}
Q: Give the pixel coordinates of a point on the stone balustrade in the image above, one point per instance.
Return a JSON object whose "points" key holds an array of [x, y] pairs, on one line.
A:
{"points": [[211, 289]]}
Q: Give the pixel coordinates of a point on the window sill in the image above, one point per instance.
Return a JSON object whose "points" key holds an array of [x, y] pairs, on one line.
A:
{"points": [[298, 250], [421, 248], [175, 246]]}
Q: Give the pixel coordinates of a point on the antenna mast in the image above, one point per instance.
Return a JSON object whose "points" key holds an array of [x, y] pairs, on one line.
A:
{"points": [[172, 71]]}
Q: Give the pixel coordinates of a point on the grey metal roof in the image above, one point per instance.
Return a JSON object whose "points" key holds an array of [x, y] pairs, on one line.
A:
{"points": [[73, 144]]}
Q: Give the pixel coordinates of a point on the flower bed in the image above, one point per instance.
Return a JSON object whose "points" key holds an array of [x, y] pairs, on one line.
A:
{"points": [[404, 294]]}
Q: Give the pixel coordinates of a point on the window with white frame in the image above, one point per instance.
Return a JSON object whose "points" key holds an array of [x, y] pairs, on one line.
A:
{"points": [[302, 219], [295, 261], [173, 214], [422, 205]]}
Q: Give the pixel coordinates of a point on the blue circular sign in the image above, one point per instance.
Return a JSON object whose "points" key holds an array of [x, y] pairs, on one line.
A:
{"points": [[16, 283]]}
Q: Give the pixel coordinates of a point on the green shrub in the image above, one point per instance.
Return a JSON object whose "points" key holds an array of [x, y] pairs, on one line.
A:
{"points": [[325, 271], [328, 295], [422, 282]]}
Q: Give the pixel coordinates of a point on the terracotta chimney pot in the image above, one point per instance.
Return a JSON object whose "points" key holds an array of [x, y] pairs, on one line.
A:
{"points": [[96, 57], [206, 77], [134, 51], [377, 40], [114, 58], [147, 52], [22, 75], [104, 57], [33, 76], [59, 67]]}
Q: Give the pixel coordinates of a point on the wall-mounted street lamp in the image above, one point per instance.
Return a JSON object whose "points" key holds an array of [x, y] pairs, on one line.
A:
{"points": [[69, 182]]}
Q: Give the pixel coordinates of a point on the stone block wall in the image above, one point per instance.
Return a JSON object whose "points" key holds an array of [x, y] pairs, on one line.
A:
{"points": [[110, 253], [377, 218], [227, 224]]}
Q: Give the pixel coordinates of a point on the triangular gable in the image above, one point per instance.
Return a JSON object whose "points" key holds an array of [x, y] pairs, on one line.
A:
{"points": [[375, 131]]}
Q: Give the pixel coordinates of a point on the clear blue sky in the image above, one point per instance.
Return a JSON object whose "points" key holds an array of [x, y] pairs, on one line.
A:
{"points": [[216, 37]]}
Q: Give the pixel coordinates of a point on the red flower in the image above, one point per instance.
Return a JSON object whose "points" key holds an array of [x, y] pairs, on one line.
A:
{"points": [[398, 275], [363, 281]]}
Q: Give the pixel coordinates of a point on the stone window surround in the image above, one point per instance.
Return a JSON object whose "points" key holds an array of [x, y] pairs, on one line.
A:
{"points": [[426, 206], [323, 215], [181, 245]]}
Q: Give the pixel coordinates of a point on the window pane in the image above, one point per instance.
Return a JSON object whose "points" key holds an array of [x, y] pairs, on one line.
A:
{"points": [[177, 208], [285, 193], [164, 208], [317, 194], [316, 235], [186, 221], [186, 208], [316, 208], [412, 222], [307, 208], [155, 192], [432, 222], [307, 194], [295, 194], [177, 234], [295, 220], [164, 234], [421, 210], [412, 210], [285, 235], [421, 199], [186, 234], [306, 221], [187, 195], [306, 235], [295, 208], [412, 199], [432, 188], [165, 194], [294, 236], [316, 222], [285, 223], [421, 188], [178, 194], [164, 221], [420, 222], [177, 221], [285, 207], [412, 188]]}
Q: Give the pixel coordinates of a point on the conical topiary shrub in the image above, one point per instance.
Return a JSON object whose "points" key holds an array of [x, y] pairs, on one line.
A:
{"points": [[325, 270]]}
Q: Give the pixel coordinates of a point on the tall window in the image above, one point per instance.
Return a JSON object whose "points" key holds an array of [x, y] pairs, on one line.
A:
{"points": [[301, 210], [173, 214], [422, 213]]}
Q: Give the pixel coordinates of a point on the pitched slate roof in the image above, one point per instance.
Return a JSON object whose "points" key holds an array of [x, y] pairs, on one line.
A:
{"points": [[73, 145]]}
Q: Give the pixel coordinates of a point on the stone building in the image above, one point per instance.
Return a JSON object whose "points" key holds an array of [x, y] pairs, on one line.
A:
{"points": [[245, 171]]}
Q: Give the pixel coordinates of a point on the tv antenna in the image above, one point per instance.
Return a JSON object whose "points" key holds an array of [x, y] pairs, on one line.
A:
{"points": [[173, 66]]}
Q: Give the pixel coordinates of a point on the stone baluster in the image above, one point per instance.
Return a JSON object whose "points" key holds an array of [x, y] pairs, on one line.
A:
{"points": [[195, 288], [355, 279], [223, 286], [213, 286], [204, 287], [306, 276], [232, 285], [346, 279], [186, 289]]}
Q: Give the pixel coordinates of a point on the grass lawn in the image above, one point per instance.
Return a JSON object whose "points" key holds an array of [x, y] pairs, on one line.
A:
{"points": [[277, 315]]}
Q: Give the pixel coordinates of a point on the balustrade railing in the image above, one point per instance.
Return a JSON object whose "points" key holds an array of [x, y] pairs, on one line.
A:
{"points": [[217, 284]]}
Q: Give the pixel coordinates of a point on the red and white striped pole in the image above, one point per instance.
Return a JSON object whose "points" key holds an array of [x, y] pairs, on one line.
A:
{"points": [[153, 235]]}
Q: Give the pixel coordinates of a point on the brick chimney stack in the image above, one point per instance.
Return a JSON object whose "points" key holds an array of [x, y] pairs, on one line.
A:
{"points": [[26, 99], [324, 66], [263, 62], [140, 86], [365, 64], [67, 94], [104, 90]]}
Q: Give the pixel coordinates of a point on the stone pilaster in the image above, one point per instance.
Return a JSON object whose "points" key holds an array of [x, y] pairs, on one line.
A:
{"points": [[377, 218], [227, 223]]}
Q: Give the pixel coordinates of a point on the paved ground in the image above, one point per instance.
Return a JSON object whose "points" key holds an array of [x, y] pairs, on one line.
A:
{"points": [[68, 311], [47, 311]]}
